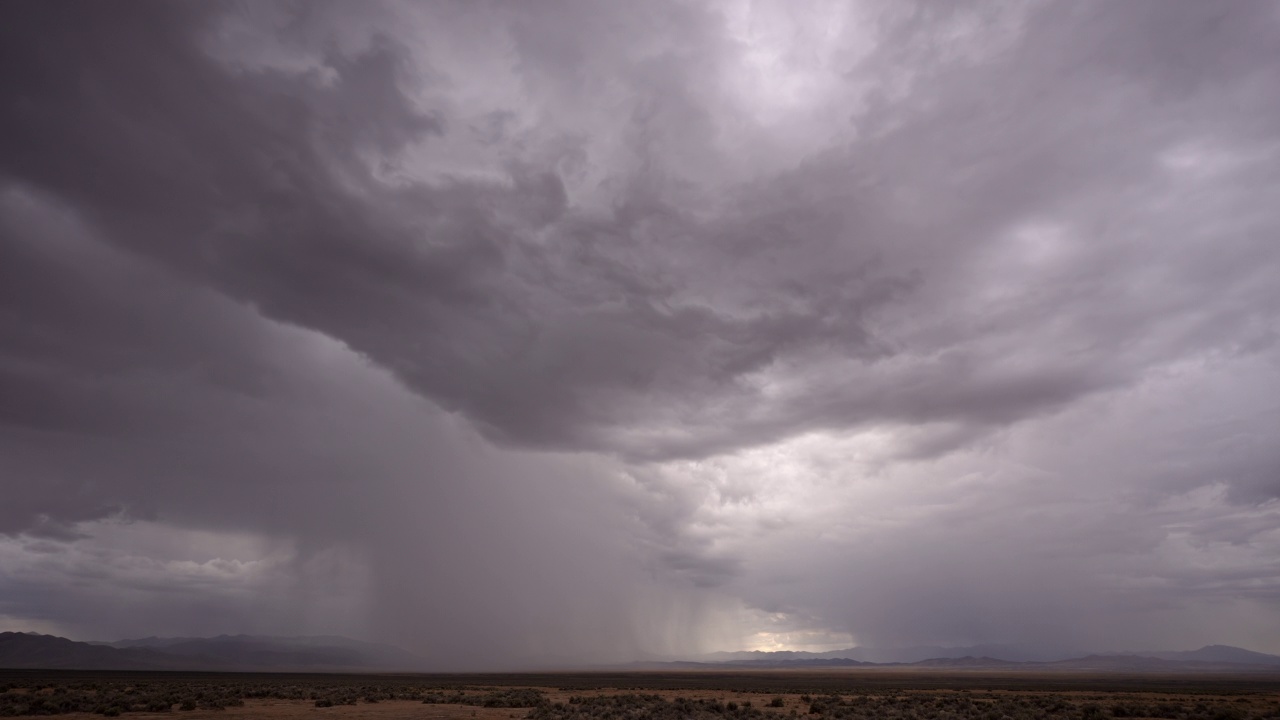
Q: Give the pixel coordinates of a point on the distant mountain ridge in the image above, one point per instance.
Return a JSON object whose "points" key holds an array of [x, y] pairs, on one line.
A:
{"points": [[995, 653], [1015, 653], [250, 653], [31, 650], [1217, 653], [225, 652], [1211, 658]]}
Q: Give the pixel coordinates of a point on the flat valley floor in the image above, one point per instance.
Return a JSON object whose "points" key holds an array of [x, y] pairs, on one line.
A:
{"points": [[764, 695]]}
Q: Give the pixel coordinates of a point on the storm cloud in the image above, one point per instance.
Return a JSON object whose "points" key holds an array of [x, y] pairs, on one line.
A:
{"points": [[553, 333]]}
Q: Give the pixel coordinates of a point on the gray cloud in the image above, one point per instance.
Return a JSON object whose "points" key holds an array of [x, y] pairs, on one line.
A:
{"points": [[972, 309]]}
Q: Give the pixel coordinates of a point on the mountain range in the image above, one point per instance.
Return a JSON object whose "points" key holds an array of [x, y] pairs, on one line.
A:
{"points": [[224, 652], [1211, 658], [995, 653], [250, 653], [1016, 653]]}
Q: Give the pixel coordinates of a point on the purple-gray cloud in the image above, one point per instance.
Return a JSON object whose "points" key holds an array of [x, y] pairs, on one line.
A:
{"points": [[591, 332]]}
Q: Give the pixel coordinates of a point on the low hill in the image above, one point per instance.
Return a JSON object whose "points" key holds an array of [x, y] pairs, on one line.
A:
{"points": [[968, 662], [1213, 658], [225, 652], [31, 650], [1218, 654]]}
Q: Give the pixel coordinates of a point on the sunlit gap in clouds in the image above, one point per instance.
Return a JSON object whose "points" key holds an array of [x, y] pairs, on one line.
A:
{"points": [[765, 509], [790, 61], [799, 641]]}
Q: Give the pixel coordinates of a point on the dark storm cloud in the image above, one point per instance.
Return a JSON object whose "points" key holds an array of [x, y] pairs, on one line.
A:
{"points": [[233, 470], [254, 183], [972, 313], [100, 345], [240, 182]]}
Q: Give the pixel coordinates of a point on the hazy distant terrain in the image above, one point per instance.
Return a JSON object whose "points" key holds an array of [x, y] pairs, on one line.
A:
{"points": [[1211, 658], [332, 653], [225, 652]]}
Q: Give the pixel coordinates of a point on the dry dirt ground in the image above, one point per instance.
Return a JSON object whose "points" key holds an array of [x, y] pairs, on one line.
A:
{"points": [[414, 710], [405, 709], [1200, 698], [306, 710]]}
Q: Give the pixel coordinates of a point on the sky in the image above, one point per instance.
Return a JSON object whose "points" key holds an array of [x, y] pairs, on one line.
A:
{"points": [[530, 334]]}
